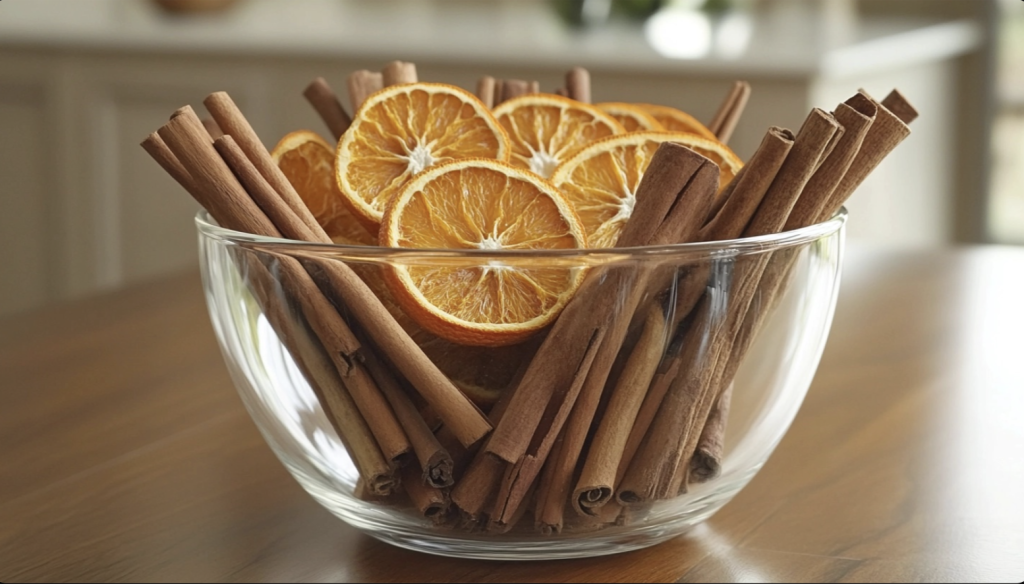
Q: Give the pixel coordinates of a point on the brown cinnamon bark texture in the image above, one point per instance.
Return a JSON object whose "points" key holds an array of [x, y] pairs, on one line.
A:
{"points": [[360, 85], [485, 88], [730, 112], [818, 202], [346, 287], [397, 72], [511, 88], [577, 84], [659, 468], [677, 185], [321, 96], [198, 178]]}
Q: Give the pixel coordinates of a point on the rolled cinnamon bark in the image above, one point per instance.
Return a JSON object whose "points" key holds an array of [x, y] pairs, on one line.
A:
{"points": [[360, 85], [485, 89], [743, 196], [333, 332], [230, 119], [677, 182], [431, 502], [659, 468], [858, 115], [597, 481], [434, 460], [306, 350], [511, 88], [233, 204], [212, 128], [730, 112], [706, 463], [323, 99], [577, 84], [397, 72]]}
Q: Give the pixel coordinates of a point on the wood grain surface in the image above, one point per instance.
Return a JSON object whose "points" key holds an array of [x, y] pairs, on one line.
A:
{"points": [[125, 454]]}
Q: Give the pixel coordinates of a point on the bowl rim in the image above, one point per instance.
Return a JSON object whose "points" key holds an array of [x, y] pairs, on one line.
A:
{"points": [[716, 249]]}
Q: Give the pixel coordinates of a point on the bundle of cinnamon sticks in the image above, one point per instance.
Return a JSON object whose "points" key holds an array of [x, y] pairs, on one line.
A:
{"points": [[626, 399]]}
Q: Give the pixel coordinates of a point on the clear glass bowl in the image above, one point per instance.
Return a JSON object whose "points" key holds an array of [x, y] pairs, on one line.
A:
{"points": [[788, 319]]}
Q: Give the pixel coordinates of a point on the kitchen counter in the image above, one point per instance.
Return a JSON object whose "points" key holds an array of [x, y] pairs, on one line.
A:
{"points": [[127, 455]]}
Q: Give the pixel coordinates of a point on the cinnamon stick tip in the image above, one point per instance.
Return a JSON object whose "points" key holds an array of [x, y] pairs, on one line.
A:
{"points": [[315, 86], [181, 111]]}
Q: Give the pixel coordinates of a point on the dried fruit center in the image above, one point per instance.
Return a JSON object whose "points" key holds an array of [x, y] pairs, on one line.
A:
{"points": [[419, 158], [543, 163]]}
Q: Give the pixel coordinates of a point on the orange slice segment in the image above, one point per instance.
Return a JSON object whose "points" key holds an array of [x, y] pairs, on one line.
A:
{"points": [[601, 180], [675, 120], [546, 130], [403, 130], [632, 117], [308, 162], [481, 205]]}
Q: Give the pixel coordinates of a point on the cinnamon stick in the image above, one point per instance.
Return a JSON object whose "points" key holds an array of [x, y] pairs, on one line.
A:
{"points": [[360, 85], [230, 119], [743, 196], [476, 490], [307, 352], [212, 128], [431, 502], [706, 463], [663, 186], [817, 140], [519, 477], [817, 203], [885, 134], [577, 84], [856, 115], [485, 90], [397, 72], [321, 96], [374, 469], [434, 460], [597, 481], [511, 88], [660, 464], [897, 103], [535, 87], [348, 289], [676, 182], [261, 192], [224, 197], [185, 134], [730, 112], [342, 283]]}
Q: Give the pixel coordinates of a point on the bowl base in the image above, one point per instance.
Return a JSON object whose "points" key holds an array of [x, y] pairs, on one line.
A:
{"points": [[396, 526]]}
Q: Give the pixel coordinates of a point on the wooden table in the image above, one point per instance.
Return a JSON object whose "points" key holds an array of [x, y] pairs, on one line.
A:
{"points": [[125, 454]]}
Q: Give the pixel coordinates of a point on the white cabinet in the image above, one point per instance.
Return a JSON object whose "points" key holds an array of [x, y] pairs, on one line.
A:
{"points": [[83, 206]]}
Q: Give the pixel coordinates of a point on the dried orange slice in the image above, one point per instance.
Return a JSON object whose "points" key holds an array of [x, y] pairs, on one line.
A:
{"points": [[675, 120], [485, 205], [632, 117], [546, 130], [308, 162], [402, 130], [601, 180]]}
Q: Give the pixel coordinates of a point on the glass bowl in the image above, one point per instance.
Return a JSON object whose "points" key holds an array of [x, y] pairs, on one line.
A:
{"points": [[742, 321]]}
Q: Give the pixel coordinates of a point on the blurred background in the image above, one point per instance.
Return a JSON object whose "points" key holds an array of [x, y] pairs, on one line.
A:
{"points": [[82, 82]]}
